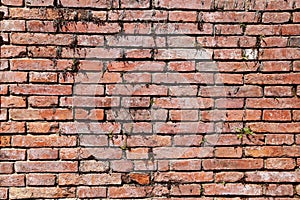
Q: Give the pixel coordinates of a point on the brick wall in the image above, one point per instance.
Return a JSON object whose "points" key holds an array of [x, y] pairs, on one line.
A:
{"points": [[150, 99]]}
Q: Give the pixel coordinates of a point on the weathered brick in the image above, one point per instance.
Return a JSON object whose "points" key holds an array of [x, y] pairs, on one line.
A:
{"points": [[41, 192], [233, 164], [42, 154], [46, 166], [233, 189], [89, 179], [43, 141], [40, 179], [184, 177], [91, 192], [12, 180]]}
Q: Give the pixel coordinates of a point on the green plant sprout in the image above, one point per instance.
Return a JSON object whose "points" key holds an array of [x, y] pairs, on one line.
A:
{"points": [[244, 131]]}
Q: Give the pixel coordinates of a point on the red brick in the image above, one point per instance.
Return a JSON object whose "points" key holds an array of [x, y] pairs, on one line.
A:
{"points": [[230, 17], [186, 16], [183, 177], [281, 17], [182, 165], [13, 51], [222, 115], [274, 42], [188, 140], [3, 114], [82, 3], [222, 139], [136, 66], [251, 115], [3, 64], [142, 179], [42, 127], [272, 177], [5, 141], [122, 165], [100, 153], [97, 78], [234, 79], [90, 89], [263, 30], [39, 3], [272, 79], [41, 192], [229, 5], [40, 179], [42, 51], [13, 77], [128, 191], [203, 5], [42, 154], [273, 5], [93, 166], [182, 152], [13, 102], [95, 114], [296, 115], [40, 26], [227, 29], [137, 78], [12, 180], [93, 140], [233, 189], [137, 28], [183, 127], [290, 29], [43, 141], [130, 4], [229, 103], [136, 90], [39, 38], [233, 164], [186, 190], [12, 25], [280, 163], [275, 128], [89, 179], [91, 192], [42, 77], [231, 91], [42, 101], [229, 176], [43, 114], [6, 168], [183, 103], [12, 154], [280, 54], [34, 65], [278, 91], [150, 141], [279, 190], [280, 139], [296, 17], [183, 115], [137, 153], [277, 115], [181, 66], [41, 89], [228, 152], [12, 127], [273, 103], [12, 2], [46, 166], [272, 151]]}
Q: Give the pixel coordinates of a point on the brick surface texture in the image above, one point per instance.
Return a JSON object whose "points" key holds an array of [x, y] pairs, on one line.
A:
{"points": [[150, 99]]}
